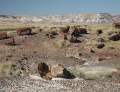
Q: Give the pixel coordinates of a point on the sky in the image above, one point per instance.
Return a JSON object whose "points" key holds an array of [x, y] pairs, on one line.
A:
{"points": [[56, 7]]}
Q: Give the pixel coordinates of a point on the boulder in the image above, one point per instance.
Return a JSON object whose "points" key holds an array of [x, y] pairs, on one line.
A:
{"points": [[49, 72], [76, 34], [43, 69], [116, 25], [24, 31], [78, 31], [59, 71], [3, 35], [114, 37]]}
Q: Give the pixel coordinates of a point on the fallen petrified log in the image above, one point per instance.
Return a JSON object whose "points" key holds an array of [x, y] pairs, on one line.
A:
{"points": [[114, 37], [116, 25], [49, 72], [24, 31], [3, 35]]}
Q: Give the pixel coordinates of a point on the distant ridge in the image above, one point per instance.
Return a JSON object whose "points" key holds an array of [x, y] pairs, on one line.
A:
{"points": [[98, 18]]}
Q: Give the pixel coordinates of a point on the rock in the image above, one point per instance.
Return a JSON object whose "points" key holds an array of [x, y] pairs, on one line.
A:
{"points": [[3, 35], [61, 43], [82, 30], [116, 25], [43, 69], [60, 71], [24, 31], [74, 40], [57, 71], [40, 30], [114, 37], [93, 71], [80, 54], [76, 34], [92, 50], [99, 31], [100, 45], [49, 72], [101, 58]]}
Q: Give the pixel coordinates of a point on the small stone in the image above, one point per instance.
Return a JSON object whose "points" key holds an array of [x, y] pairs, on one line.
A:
{"points": [[92, 51], [99, 31], [100, 45]]}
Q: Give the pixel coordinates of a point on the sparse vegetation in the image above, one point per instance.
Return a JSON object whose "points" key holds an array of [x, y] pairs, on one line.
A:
{"points": [[69, 45]]}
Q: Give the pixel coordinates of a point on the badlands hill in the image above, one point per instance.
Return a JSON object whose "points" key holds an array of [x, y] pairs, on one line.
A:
{"points": [[98, 18]]}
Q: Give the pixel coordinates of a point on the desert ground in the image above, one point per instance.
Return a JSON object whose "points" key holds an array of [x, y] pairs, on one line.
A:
{"points": [[95, 68]]}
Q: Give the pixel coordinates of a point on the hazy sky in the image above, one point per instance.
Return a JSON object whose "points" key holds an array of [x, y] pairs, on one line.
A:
{"points": [[44, 7]]}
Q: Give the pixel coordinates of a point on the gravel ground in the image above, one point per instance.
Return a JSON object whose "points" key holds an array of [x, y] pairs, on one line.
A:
{"points": [[25, 84], [37, 48]]}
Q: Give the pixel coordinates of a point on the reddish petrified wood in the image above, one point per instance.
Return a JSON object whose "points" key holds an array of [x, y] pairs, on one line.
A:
{"points": [[116, 25], [24, 31], [3, 35]]}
